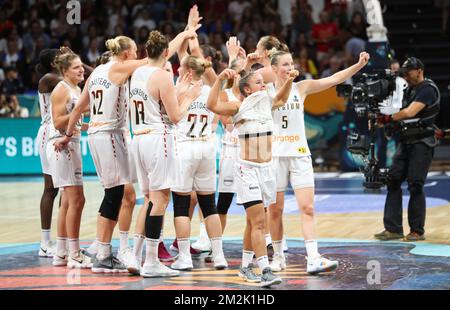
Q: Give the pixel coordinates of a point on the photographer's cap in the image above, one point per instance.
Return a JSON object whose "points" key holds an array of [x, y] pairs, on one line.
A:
{"points": [[412, 63]]}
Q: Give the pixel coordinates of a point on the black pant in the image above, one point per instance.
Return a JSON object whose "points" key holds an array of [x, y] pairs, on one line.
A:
{"points": [[411, 163]]}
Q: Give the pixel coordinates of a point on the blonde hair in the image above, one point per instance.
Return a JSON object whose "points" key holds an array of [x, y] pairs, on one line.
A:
{"points": [[119, 44], [64, 61], [274, 55], [270, 42], [156, 44], [199, 65]]}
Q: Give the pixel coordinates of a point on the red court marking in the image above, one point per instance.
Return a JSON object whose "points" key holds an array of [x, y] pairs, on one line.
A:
{"points": [[16, 282], [43, 270], [297, 282], [81, 288], [184, 287]]}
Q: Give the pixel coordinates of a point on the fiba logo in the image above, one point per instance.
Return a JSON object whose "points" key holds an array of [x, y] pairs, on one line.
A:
{"points": [[74, 13]]}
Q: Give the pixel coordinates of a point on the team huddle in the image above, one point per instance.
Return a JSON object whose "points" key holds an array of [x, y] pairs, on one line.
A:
{"points": [[144, 128]]}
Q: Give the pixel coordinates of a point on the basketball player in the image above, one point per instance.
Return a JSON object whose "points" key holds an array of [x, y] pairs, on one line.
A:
{"points": [[129, 197], [155, 106], [107, 94], [254, 176], [50, 78], [196, 170], [66, 165], [292, 157]]}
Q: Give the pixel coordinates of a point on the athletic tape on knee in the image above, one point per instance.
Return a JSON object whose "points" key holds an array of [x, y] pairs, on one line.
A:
{"points": [[207, 204], [153, 224], [224, 202], [181, 205], [111, 203]]}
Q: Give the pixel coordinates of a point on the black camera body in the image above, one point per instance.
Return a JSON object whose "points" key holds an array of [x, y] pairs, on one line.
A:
{"points": [[366, 96]]}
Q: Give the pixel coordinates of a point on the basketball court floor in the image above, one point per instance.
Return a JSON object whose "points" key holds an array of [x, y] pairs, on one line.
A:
{"points": [[347, 218]]}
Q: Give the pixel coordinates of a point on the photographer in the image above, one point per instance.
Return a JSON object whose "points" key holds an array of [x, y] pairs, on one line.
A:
{"points": [[414, 154]]}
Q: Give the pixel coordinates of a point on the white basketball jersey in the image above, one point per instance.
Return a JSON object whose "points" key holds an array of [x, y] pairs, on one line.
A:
{"points": [[231, 138], [147, 114], [197, 123], [289, 139], [108, 101], [44, 106], [70, 105]]}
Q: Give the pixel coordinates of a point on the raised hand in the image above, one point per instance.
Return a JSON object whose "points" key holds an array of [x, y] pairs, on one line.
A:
{"points": [[363, 59], [233, 47], [293, 74], [227, 74], [194, 17], [183, 83]]}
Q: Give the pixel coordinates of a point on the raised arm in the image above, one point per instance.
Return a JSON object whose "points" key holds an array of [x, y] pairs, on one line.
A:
{"points": [[123, 70], [283, 93], [308, 87], [168, 94], [217, 100]]}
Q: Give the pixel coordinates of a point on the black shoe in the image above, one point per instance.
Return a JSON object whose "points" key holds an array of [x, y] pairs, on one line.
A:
{"points": [[387, 235]]}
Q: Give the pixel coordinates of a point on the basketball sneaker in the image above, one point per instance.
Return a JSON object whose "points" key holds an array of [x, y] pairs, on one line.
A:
{"points": [[248, 275], [157, 269], [125, 256], [79, 261], [203, 244], [220, 262], [278, 262], [174, 247], [183, 262], [109, 264], [60, 259], [47, 249], [320, 264], [163, 254], [134, 266], [268, 278]]}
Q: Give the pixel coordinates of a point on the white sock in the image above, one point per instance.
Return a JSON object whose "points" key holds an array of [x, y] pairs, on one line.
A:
{"points": [[184, 247], [138, 245], [278, 247], [268, 239], [285, 246], [216, 246], [311, 248], [123, 237], [151, 250], [247, 258], [93, 248], [45, 235], [104, 250], [61, 244], [74, 247], [263, 262]]}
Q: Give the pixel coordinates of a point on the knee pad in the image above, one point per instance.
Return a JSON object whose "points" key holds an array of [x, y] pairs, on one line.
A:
{"points": [[111, 203], [253, 203], [181, 205], [153, 224], [207, 205], [224, 202]]}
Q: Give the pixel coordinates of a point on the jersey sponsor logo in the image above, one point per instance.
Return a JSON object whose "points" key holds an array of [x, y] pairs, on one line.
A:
{"points": [[228, 181], [286, 138], [302, 150]]}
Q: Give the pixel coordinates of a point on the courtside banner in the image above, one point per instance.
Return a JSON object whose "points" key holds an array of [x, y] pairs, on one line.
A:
{"points": [[19, 148]]}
